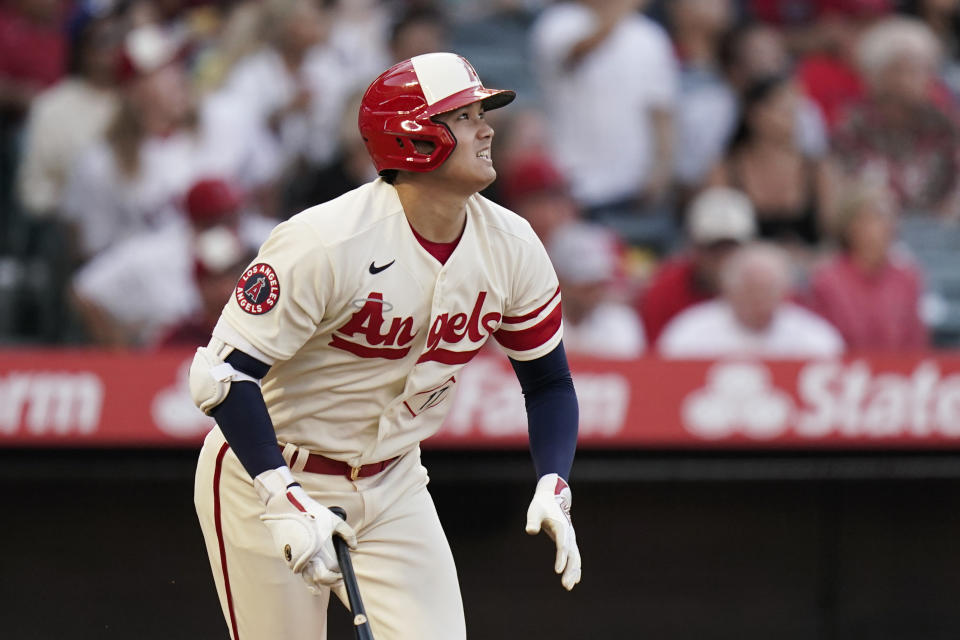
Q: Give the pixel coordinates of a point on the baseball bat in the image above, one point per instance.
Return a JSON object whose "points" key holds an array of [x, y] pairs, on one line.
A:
{"points": [[361, 626]]}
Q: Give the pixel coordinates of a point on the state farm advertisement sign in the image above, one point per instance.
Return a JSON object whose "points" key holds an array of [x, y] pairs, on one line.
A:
{"points": [[95, 398], [858, 402]]}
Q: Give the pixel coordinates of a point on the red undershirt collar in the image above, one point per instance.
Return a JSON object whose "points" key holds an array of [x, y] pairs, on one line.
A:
{"points": [[439, 250]]}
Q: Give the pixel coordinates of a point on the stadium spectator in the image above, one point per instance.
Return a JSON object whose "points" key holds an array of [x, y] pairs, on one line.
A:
{"points": [[870, 291], [790, 191], [351, 167], [522, 134], [752, 51], [943, 18], [532, 187], [827, 70], [238, 35], [296, 86], [32, 52], [417, 31], [718, 220], [70, 115], [898, 135], [359, 33], [157, 144], [697, 27], [753, 317], [130, 294], [219, 260], [612, 130], [594, 323]]}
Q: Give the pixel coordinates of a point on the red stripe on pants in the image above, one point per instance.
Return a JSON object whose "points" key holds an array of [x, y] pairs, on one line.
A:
{"points": [[223, 550]]}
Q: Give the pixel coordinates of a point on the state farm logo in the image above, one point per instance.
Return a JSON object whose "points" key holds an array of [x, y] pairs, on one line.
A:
{"points": [[738, 397], [830, 399], [50, 403]]}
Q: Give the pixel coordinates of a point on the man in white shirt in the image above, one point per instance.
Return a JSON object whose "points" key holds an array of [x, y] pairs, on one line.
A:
{"points": [[753, 317], [130, 179], [608, 81], [298, 83], [131, 293]]}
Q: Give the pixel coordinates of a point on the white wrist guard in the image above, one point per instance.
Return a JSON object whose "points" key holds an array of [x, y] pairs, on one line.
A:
{"points": [[272, 482]]}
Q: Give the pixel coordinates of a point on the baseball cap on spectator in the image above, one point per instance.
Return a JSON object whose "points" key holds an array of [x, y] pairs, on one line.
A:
{"points": [[719, 214], [209, 201], [147, 49], [584, 254], [529, 175]]}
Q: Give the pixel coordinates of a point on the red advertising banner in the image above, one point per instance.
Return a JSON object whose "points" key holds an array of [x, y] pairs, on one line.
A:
{"points": [[105, 399]]}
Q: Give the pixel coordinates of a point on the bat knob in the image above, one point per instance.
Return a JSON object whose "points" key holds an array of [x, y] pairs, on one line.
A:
{"points": [[339, 512]]}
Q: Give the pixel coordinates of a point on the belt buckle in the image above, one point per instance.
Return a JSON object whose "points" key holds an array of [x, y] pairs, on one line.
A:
{"points": [[354, 473]]}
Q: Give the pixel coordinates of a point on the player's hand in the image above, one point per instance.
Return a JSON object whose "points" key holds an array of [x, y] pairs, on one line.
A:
{"points": [[550, 510], [302, 529]]}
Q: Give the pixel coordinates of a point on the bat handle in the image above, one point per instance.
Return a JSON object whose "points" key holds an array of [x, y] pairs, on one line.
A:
{"points": [[360, 622]]}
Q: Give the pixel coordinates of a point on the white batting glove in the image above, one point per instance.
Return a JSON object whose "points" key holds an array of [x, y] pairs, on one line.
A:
{"points": [[550, 509], [302, 529]]}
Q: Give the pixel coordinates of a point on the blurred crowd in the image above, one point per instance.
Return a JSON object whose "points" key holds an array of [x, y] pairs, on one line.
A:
{"points": [[778, 178]]}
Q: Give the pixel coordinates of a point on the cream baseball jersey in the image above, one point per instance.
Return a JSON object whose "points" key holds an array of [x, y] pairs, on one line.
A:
{"points": [[366, 331]]}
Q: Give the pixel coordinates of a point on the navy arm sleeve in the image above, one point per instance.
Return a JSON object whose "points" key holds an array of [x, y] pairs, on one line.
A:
{"points": [[244, 420], [553, 414]]}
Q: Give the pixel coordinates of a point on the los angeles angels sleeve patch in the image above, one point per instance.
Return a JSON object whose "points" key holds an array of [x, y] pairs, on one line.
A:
{"points": [[258, 289]]}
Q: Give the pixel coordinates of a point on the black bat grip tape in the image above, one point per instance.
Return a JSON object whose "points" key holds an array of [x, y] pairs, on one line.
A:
{"points": [[361, 625]]}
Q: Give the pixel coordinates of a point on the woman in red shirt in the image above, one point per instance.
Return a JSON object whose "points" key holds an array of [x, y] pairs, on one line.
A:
{"points": [[869, 290]]}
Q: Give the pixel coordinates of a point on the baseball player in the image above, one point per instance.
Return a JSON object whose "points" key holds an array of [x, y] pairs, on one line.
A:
{"points": [[340, 350]]}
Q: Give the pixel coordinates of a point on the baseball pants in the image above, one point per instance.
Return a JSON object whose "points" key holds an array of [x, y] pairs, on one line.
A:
{"points": [[403, 562]]}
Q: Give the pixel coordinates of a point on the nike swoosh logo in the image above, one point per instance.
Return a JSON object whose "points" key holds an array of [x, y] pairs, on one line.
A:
{"points": [[374, 269]]}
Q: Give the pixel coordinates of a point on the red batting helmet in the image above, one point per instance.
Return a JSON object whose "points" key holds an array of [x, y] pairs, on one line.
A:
{"points": [[399, 106]]}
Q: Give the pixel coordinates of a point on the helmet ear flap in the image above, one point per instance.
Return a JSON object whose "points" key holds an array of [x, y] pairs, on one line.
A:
{"points": [[447, 143], [397, 143]]}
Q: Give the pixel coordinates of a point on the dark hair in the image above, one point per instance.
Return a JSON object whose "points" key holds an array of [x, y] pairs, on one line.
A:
{"points": [[729, 49], [80, 28], [417, 15], [389, 175], [756, 93]]}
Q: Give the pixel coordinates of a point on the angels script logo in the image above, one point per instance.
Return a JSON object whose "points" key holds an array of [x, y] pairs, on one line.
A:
{"points": [[367, 333]]}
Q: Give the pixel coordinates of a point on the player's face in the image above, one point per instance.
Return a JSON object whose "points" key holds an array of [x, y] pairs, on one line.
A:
{"points": [[471, 163]]}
